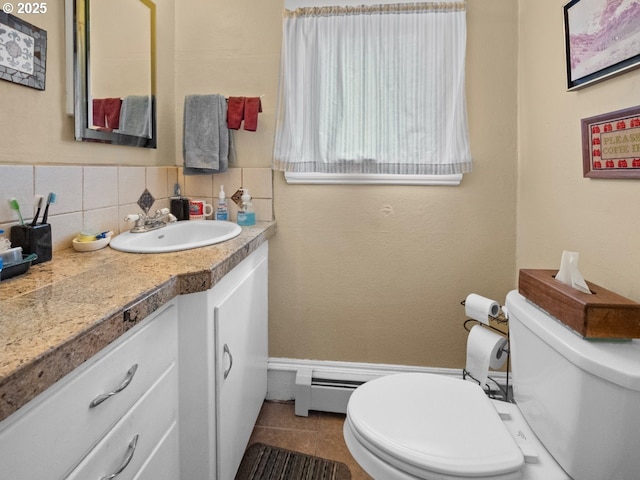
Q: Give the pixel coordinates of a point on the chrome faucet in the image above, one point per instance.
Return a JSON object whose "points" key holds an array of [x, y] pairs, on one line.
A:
{"points": [[145, 223]]}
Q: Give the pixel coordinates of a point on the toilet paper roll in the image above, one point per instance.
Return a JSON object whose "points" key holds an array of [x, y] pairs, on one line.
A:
{"points": [[479, 308], [484, 351]]}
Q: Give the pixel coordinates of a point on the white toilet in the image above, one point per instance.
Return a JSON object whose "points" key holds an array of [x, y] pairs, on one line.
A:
{"points": [[576, 416]]}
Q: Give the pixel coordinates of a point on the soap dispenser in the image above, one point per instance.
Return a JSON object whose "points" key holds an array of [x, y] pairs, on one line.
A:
{"points": [[222, 210], [246, 215]]}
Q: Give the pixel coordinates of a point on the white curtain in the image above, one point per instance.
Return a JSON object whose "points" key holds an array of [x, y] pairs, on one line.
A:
{"points": [[373, 89]]}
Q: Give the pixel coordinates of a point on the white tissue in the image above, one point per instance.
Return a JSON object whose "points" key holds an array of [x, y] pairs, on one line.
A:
{"points": [[484, 351], [480, 308], [569, 273]]}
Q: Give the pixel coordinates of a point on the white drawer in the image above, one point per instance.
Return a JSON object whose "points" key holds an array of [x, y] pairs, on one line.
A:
{"points": [[149, 421], [49, 436], [163, 464]]}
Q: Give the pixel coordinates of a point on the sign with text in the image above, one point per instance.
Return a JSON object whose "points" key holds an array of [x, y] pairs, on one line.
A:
{"points": [[611, 145]]}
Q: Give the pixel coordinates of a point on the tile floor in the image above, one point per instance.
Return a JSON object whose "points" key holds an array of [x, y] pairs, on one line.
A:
{"points": [[318, 434]]}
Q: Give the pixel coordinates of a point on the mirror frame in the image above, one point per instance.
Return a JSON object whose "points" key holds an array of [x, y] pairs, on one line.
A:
{"points": [[78, 77]]}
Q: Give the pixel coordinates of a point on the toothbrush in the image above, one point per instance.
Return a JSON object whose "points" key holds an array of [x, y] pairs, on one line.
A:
{"points": [[13, 203], [50, 199], [39, 198]]}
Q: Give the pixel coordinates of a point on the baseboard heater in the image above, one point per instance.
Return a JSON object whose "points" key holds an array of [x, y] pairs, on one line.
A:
{"points": [[322, 393], [327, 386]]}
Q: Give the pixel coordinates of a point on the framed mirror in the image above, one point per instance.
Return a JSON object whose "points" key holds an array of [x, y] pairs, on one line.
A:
{"points": [[114, 71]]}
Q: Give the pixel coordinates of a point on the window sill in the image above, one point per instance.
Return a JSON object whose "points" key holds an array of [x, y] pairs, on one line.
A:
{"points": [[371, 179]]}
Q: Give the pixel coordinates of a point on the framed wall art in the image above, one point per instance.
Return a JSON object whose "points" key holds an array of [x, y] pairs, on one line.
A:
{"points": [[611, 144], [602, 39], [23, 52]]}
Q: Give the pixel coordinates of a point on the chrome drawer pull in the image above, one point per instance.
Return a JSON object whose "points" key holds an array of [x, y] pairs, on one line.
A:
{"points": [[127, 459], [125, 383], [226, 350]]}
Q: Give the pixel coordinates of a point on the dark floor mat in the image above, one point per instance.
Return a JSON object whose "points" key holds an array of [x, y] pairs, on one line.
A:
{"points": [[266, 462]]}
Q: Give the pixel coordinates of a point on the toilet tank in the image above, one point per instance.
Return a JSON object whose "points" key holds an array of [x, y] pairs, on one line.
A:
{"points": [[581, 397]]}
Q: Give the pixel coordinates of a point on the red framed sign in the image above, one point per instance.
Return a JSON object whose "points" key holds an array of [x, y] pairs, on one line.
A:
{"points": [[611, 144]]}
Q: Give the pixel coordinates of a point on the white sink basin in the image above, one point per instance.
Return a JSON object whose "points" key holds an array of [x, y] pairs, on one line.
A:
{"points": [[177, 236]]}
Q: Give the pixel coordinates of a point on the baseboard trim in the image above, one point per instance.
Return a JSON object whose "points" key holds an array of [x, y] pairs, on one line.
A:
{"points": [[282, 373]]}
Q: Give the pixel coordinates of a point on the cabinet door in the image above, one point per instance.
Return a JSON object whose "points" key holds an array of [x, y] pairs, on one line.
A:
{"points": [[241, 366]]}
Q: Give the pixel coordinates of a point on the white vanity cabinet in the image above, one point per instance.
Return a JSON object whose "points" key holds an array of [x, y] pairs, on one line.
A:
{"points": [[223, 369], [81, 427]]}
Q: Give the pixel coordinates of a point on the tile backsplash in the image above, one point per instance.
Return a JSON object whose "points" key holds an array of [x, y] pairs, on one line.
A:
{"points": [[99, 197]]}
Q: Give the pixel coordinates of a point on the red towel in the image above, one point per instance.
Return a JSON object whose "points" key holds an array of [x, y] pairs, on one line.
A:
{"points": [[106, 113], [252, 106], [99, 119], [112, 111], [235, 112]]}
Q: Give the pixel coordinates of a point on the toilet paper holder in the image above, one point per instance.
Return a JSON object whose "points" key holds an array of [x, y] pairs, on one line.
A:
{"points": [[501, 318]]}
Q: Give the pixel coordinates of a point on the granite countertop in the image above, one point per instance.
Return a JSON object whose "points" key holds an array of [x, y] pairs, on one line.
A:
{"points": [[60, 313]]}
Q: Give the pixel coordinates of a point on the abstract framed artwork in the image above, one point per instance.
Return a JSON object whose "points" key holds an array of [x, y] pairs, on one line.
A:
{"points": [[602, 39], [611, 144], [23, 52]]}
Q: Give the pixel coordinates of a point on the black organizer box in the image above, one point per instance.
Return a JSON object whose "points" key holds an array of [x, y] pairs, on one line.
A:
{"points": [[33, 239]]}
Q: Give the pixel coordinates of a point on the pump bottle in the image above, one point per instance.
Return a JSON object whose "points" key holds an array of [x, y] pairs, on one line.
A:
{"points": [[246, 215], [222, 209]]}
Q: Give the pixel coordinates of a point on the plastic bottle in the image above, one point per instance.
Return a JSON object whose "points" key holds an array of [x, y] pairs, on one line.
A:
{"points": [[222, 210], [5, 244], [246, 215]]}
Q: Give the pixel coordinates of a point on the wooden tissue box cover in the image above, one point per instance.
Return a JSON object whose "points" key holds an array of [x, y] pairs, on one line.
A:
{"points": [[601, 314]]}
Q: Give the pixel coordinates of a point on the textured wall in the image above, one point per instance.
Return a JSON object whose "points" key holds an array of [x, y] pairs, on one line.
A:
{"points": [[558, 209], [377, 273]]}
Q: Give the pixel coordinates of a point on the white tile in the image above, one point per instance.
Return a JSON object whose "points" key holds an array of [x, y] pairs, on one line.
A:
{"points": [[198, 186], [172, 179], [65, 182], [100, 187], [157, 182], [258, 181], [15, 181], [160, 203], [231, 180], [181, 181], [64, 228], [101, 220], [131, 184]]}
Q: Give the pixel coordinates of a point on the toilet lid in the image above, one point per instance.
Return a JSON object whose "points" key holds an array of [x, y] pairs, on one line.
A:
{"points": [[426, 422]]}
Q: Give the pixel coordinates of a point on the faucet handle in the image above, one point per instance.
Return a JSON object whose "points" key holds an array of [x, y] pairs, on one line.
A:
{"points": [[162, 211], [134, 217]]}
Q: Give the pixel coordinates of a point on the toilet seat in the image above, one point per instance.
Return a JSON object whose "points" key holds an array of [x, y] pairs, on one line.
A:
{"points": [[432, 426]]}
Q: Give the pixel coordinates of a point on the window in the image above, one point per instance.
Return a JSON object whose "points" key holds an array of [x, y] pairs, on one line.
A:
{"points": [[373, 90]]}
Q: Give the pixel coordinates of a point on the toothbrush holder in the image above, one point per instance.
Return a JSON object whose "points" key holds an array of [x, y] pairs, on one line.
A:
{"points": [[33, 239]]}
